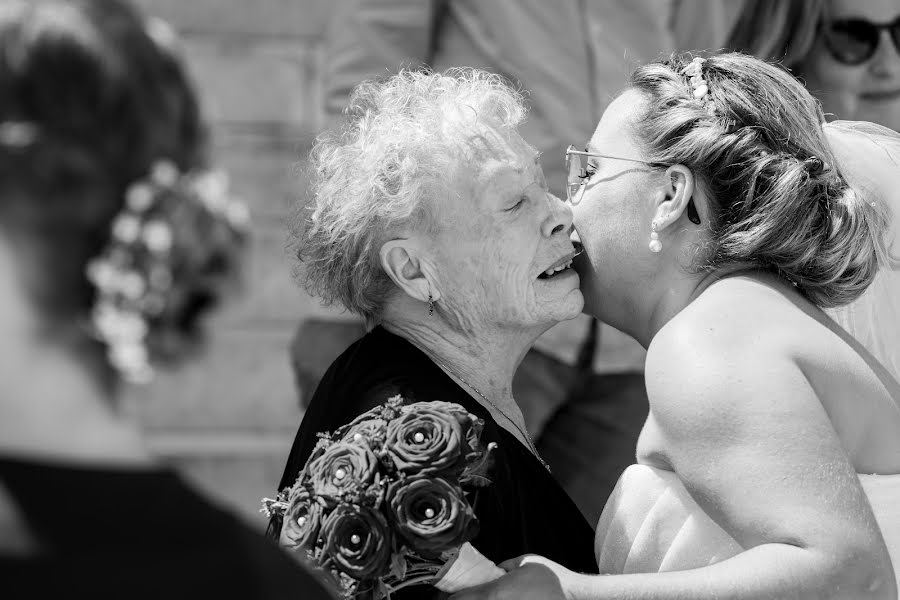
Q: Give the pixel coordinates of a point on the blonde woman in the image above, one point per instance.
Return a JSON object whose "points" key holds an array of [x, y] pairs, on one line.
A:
{"points": [[717, 222]]}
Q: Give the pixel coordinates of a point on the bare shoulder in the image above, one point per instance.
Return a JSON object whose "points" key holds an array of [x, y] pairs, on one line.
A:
{"points": [[745, 361], [729, 355]]}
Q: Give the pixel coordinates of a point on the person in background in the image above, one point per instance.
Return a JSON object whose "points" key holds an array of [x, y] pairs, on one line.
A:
{"points": [[848, 55], [115, 239], [581, 387]]}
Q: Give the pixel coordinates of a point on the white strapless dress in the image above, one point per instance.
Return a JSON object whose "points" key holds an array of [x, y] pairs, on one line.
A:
{"points": [[652, 524]]}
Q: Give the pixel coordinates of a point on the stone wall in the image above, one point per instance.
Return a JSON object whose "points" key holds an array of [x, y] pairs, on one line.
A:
{"points": [[227, 419]]}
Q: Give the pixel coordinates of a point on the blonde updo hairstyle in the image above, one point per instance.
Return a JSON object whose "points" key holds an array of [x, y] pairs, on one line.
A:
{"points": [[755, 143]]}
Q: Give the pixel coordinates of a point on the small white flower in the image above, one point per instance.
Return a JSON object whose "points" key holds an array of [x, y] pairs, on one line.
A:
{"points": [[238, 215], [132, 285], [158, 236], [126, 229], [132, 361], [212, 187], [101, 273], [139, 197], [164, 173], [118, 326]]}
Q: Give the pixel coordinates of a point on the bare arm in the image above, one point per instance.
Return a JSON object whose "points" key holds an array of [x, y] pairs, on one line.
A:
{"points": [[744, 431], [742, 428]]}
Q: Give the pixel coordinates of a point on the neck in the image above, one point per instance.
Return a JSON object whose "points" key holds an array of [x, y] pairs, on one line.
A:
{"points": [[52, 406], [675, 291], [485, 361]]}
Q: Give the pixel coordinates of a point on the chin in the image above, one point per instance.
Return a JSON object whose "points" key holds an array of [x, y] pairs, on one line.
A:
{"points": [[577, 301]]}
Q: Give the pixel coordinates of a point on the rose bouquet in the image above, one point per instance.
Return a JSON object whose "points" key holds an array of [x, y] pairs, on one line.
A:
{"points": [[381, 503]]}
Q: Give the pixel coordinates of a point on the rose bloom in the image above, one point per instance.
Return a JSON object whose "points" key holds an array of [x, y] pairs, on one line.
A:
{"points": [[341, 467], [302, 520], [431, 514], [428, 439], [357, 539], [471, 424]]}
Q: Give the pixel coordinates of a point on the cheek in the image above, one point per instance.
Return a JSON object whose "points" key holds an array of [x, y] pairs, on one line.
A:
{"points": [[836, 85], [488, 276], [602, 225]]}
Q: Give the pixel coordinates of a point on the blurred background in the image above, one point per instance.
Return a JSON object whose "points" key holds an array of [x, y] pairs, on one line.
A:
{"points": [[227, 419]]}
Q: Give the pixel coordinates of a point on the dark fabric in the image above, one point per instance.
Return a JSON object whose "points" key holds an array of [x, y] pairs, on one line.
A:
{"points": [[523, 511], [119, 533], [593, 436]]}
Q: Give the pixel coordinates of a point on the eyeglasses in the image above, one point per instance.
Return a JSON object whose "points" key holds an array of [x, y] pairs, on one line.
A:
{"points": [[576, 167], [855, 41]]}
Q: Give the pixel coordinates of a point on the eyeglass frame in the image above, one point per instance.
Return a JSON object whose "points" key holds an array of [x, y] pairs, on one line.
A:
{"points": [[692, 213], [572, 149], [893, 29]]}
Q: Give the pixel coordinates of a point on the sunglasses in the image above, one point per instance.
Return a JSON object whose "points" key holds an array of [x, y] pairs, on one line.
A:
{"points": [[855, 41], [576, 167]]}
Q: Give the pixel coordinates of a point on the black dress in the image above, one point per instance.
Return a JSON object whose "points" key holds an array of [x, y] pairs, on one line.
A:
{"points": [[136, 534], [524, 510]]}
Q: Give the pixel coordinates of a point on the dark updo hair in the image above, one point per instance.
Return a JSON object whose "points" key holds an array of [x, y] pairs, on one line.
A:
{"points": [[101, 96], [778, 200]]}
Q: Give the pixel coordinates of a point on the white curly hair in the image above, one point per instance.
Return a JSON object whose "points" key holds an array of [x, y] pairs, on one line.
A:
{"points": [[403, 141]]}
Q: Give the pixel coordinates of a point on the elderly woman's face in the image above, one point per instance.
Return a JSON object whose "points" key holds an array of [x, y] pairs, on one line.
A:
{"points": [[499, 236], [870, 90]]}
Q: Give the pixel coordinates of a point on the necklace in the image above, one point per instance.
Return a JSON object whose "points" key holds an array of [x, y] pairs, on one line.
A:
{"points": [[525, 436]]}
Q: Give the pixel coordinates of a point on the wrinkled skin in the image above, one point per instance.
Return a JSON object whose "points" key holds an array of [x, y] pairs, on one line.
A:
{"points": [[494, 237]]}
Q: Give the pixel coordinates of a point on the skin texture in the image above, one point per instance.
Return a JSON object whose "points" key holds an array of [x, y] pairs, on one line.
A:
{"points": [[490, 237], [747, 383], [866, 92]]}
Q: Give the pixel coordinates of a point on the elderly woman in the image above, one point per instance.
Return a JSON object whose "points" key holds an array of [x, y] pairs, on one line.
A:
{"points": [[433, 221]]}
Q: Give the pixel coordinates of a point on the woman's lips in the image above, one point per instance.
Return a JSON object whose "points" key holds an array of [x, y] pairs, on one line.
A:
{"points": [[881, 96]]}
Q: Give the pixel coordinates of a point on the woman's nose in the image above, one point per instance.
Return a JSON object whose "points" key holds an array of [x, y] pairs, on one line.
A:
{"points": [[886, 62], [559, 219]]}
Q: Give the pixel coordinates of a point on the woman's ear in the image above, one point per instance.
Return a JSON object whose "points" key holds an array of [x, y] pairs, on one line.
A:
{"points": [[401, 261], [676, 198]]}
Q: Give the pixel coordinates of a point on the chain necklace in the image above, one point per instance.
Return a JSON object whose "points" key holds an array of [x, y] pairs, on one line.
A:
{"points": [[525, 436]]}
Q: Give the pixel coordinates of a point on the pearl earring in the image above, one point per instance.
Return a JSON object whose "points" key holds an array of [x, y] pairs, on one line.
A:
{"points": [[655, 244]]}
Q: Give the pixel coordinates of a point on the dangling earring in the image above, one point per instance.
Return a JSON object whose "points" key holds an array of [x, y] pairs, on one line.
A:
{"points": [[430, 305], [655, 244]]}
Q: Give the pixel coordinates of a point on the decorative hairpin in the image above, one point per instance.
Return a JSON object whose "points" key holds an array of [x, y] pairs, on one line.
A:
{"points": [[134, 274], [694, 70]]}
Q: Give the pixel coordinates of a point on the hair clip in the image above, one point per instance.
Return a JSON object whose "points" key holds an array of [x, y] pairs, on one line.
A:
{"points": [[694, 70], [134, 275], [815, 166]]}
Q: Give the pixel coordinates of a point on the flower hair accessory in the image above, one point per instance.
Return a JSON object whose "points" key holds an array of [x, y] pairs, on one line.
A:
{"points": [[694, 70], [135, 274]]}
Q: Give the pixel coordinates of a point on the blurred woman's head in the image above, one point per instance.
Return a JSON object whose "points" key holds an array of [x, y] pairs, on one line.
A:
{"points": [[429, 201], [731, 169], [100, 138], [846, 51]]}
